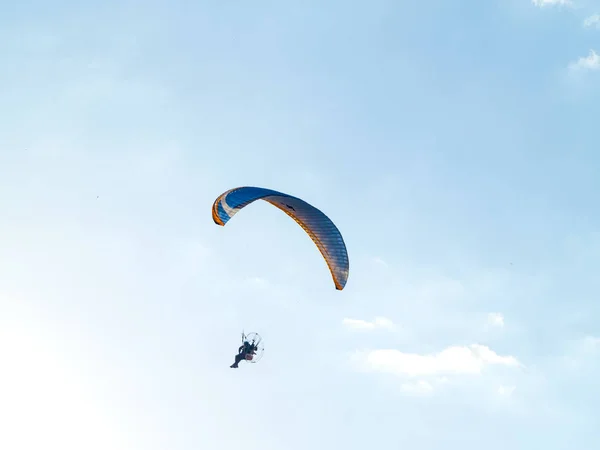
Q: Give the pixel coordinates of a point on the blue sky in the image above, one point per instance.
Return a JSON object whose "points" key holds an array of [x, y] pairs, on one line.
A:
{"points": [[453, 143]]}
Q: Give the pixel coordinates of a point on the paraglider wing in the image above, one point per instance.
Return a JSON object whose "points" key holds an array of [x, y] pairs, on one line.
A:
{"points": [[317, 225]]}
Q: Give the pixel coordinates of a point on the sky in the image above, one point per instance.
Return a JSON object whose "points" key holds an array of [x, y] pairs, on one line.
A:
{"points": [[454, 144]]}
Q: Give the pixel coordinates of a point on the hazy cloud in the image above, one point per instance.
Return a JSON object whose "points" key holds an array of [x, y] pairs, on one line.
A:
{"points": [[496, 319], [363, 325], [589, 62], [455, 360]]}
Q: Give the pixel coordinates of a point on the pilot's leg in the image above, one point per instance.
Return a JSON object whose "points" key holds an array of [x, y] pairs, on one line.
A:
{"points": [[238, 358]]}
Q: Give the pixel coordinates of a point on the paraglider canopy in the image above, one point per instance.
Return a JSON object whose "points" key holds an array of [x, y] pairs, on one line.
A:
{"points": [[317, 225]]}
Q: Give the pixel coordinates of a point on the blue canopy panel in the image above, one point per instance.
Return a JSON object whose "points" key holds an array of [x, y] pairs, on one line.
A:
{"points": [[317, 225]]}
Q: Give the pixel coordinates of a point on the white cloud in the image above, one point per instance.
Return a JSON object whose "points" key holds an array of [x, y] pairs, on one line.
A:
{"points": [[380, 261], [506, 391], [543, 3], [592, 21], [258, 282], [378, 322], [496, 319], [590, 62], [42, 390], [456, 360], [420, 387], [590, 344]]}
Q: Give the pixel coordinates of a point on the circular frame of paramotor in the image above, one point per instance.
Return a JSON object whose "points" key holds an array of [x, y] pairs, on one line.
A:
{"points": [[256, 340]]}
